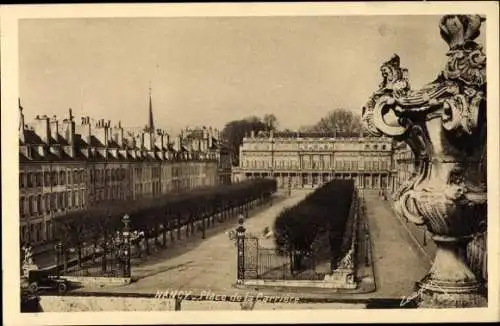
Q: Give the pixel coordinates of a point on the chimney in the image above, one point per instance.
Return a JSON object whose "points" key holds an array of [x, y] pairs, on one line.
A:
{"points": [[159, 139], [166, 141], [101, 132], [139, 143], [69, 134], [42, 128], [68, 128], [118, 135], [54, 128], [148, 140], [85, 129], [178, 143], [210, 138]]}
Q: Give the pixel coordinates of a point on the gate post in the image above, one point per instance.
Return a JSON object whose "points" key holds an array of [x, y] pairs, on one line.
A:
{"points": [[126, 242], [58, 248], [240, 238]]}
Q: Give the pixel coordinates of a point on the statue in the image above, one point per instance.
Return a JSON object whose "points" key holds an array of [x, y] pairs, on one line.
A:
{"points": [[444, 124], [28, 255], [347, 262], [28, 264]]}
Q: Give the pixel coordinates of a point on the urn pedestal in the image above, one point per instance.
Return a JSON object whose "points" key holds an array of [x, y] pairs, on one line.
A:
{"points": [[444, 124], [452, 222]]}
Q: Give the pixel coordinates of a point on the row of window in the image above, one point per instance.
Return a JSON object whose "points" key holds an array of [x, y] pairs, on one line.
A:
{"points": [[376, 147], [109, 192], [35, 233], [155, 172], [53, 202], [186, 170], [344, 165], [364, 181], [55, 178], [107, 175], [52, 178], [292, 146], [404, 155], [405, 167], [155, 188]]}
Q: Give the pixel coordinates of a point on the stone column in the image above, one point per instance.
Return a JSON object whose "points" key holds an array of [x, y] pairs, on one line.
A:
{"points": [[445, 126]]}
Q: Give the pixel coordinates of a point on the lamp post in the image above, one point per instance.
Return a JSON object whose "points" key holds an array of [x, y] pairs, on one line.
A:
{"points": [[240, 238], [126, 242], [58, 247]]}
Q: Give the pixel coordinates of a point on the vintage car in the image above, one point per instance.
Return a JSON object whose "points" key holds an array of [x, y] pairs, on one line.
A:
{"points": [[43, 280]]}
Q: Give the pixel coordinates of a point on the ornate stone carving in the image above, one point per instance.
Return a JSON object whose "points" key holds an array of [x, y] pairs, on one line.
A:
{"points": [[444, 124], [28, 255], [346, 262]]}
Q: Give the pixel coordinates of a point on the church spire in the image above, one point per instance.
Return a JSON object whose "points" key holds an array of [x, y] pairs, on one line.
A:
{"points": [[151, 125]]}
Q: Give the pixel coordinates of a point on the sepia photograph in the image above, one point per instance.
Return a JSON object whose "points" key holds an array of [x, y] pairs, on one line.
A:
{"points": [[184, 160]]}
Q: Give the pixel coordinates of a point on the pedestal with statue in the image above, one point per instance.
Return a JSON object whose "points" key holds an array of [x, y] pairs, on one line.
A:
{"points": [[28, 264], [344, 276], [444, 123]]}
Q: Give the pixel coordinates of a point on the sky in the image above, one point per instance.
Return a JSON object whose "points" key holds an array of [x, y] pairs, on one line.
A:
{"points": [[211, 70]]}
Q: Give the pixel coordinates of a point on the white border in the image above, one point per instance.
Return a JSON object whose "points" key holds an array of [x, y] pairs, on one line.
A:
{"points": [[9, 16]]}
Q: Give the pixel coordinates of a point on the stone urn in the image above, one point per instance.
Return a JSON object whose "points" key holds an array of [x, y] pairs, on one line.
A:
{"points": [[444, 124]]}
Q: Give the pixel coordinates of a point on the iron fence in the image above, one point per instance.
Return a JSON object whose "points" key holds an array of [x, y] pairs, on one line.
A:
{"points": [[273, 264], [107, 259]]}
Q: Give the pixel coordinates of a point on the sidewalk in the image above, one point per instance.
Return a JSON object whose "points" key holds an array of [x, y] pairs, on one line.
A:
{"points": [[398, 260], [47, 258], [202, 265], [420, 236]]}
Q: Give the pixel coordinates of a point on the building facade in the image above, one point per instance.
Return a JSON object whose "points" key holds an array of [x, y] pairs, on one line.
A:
{"points": [[64, 167], [403, 162], [208, 140], [307, 161]]}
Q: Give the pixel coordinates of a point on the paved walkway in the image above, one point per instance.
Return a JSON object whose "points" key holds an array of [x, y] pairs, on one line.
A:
{"points": [[398, 260], [208, 264]]}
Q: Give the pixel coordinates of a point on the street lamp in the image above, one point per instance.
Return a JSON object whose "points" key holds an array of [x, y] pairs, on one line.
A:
{"points": [[58, 247], [240, 241], [126, 241]]}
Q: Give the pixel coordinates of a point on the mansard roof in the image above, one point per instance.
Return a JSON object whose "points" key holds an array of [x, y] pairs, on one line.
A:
{"points": [[30, 137], [89, 147], [48, 156], [59, 140]]}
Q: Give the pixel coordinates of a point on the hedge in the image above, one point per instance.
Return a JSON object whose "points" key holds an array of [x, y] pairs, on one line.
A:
{"points": [[170, 210], [322, 212]]}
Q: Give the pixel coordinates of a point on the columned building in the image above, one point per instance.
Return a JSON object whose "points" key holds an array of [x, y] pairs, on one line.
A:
{"points": [[309, 160], [403, 159]]}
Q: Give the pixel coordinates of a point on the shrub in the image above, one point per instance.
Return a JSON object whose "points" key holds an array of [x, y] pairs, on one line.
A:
{"points": [[325, 210], [146, 214]]}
